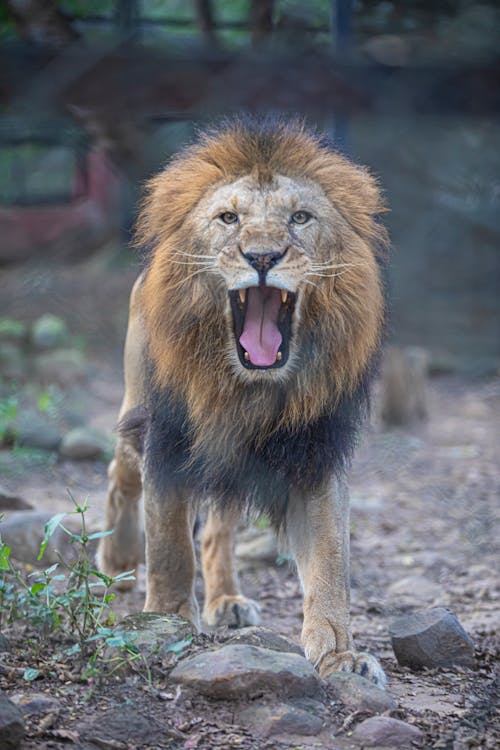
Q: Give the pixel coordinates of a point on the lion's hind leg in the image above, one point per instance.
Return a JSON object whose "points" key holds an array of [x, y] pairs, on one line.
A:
{"points": [[318, 534], [224, 603], [122, 550]]}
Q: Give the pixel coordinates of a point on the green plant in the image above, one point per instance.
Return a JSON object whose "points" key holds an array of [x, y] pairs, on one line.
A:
{"points": [[9, 407], [70, 598]]}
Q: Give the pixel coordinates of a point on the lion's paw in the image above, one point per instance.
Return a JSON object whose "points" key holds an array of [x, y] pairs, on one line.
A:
{"points": [[349, 661], [232, 611]]}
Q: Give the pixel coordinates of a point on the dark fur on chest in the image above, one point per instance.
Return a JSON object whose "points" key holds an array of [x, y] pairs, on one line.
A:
{"points": [[260, 479]]}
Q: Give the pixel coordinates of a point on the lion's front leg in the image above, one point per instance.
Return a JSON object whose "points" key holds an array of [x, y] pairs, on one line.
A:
{"points": [[318, 535], [170, 556]]}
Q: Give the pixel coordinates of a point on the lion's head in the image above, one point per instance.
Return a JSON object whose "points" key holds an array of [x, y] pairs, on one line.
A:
{"points": [[262, 293]]}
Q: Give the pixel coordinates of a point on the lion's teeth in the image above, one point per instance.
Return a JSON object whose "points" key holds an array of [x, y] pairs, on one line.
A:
{"points": [[284, 295], [247, 356], [279, 356], [242, 295]]}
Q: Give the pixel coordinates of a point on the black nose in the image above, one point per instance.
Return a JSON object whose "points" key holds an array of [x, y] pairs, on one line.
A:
{"points": [[263, 262]]}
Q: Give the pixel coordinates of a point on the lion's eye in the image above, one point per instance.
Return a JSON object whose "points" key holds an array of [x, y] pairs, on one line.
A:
{"points": [[300, 217], [228, 217]]}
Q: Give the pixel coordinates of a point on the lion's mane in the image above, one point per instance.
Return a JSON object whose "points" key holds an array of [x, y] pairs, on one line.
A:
{"points": [[240, 440]]}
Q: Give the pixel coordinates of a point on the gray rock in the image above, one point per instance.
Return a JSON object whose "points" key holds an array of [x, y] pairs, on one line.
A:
{"points": [[265, 638], [11, 501], [156, 632], [258, 547], [36, 703], [280, 718], [84, 443], [233, 671], [116, 728], [11, 724], [431, 638], [23, 532], [64, 367], [49, 332], [359, 694], [34, 431], [384, 731], [417, 588], [12, 361], [5, 644]]}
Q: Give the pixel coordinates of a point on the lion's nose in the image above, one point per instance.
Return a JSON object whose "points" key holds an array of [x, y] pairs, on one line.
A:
{"points": [[262, 262]]}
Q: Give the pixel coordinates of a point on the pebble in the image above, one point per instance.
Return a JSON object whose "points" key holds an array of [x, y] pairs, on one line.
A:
{"points": [[64, 367], [33, 431], [233, 671], [36, 703], [265, 638], [84, 444], [384, 731], [359, 694], [431, 638], [267, 720], [11, 724]]}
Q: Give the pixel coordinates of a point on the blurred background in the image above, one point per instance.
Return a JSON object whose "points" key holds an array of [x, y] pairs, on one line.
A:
{"points": [[95, 96]]}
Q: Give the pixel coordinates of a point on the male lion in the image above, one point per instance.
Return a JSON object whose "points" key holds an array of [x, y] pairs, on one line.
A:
{"points": [[251, 337]]}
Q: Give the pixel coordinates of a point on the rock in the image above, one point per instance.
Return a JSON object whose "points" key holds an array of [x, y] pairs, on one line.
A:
{"points": [[116, 728], [36, 703], [265, 638], [13, 331], [403, 386], [11, 724], [84, 444], [431, 638], [359, 694], [155, 632], [259, 548], [266, 720], [11, 501], [234, 671], [5, 645], [33, 431], [64, 367], [388, 49], [384, 731], [23, 532], [49, 332]]}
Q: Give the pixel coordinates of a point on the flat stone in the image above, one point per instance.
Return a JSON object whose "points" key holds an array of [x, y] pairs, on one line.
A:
{"points": [[265, 638], [359, 694], [280, 718], [417, 588], [431, 638], [11, 724], [232, 672], [122, 724], [36, 703], [384, 731], [84, 444], [23, 531], [49, 332], [11, 501]]}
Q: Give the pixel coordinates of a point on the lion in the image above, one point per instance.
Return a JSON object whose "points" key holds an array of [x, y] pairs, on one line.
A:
{"points": [[252, 335]]}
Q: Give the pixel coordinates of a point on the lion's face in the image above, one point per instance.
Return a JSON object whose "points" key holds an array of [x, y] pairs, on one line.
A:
{"points": [[268, 242]]}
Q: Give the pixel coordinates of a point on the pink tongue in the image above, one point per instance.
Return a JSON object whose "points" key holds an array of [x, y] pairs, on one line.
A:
{"points": [[261, 337]]}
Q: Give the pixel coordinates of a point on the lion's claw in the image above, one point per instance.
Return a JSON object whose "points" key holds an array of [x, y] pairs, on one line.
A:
{"points": [[232, 611], [349, 661]]}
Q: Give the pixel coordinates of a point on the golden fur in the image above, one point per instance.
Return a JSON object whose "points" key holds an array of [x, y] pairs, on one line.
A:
{"points": [[180, 321]]}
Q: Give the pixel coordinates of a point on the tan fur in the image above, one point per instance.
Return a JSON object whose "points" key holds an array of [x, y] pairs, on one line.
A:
{"points": [[181, 318]]}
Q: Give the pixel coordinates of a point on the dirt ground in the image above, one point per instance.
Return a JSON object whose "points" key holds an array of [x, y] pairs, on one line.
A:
{"points": [[424, 532]]}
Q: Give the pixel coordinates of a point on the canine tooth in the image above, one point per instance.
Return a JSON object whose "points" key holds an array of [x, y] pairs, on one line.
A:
{"points": [[242, 295], [284, 295], [247, 356], [279, 356]]}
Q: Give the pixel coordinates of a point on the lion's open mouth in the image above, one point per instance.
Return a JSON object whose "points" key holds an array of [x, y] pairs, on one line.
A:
{"points": [[262, 323]]}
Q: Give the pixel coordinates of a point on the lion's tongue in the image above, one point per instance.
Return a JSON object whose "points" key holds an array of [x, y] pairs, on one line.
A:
{"points": [[261, 337]]}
